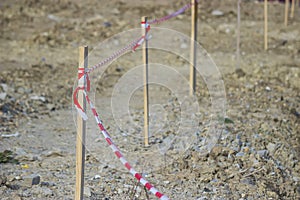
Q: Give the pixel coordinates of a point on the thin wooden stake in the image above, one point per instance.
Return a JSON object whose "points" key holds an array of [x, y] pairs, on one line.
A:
{"points": [[193, 53], [238, 61], [146, 96], [81, 129], [286, 12], [266, 24], [292, 9]]}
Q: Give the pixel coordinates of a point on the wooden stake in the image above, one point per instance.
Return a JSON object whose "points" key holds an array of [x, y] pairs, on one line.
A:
{"points": [[286, 12], [266, 24], [238, 34], [292, 9], [146, 96], [81, 129], [193, 53]]}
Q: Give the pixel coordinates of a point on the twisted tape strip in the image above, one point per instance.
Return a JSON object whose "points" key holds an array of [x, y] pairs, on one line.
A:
{"points": [[120, 156], [137, 42], [116, 54], [174, 14]]}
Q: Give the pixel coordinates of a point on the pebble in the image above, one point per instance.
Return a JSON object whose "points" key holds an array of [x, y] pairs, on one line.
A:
{"points": [[3, 180], [115, 11], [217, 13], [31, 180], [2, 95], [87, 192], [120, 191], [10, 135], [48, 184], [97, 177], [20, 151], [183, 46], [239, 154], [50, 106], [54, 18], [262, 153], [107, 24], [43, 99], [271, 147], [4, 87], [268, 89]]}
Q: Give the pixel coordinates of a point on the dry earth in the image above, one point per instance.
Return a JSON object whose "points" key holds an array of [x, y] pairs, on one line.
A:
{"points": [[256, 157]]}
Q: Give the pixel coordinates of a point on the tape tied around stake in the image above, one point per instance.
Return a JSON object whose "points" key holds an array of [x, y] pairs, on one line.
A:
{"points": [[87, 87], [145, 25], [144, 37]]}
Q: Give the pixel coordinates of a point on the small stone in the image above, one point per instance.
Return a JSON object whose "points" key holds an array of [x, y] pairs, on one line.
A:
{"points": [[31, 180], [240, 154], [217, 13], [97, 176], [115, 11], [120, 191], [4, 87], [295, 112], [246, 149], [43, 99], [271, 147], [54, 18], [87, 192], [47, 184], [10, 135], [216, 151], [107, 24], [20, 151], [262, 153], [2, 95], [183, 46], [3, 180], [240, 72], [138, 189], [50, 106], [268, 89], [20, 90]]}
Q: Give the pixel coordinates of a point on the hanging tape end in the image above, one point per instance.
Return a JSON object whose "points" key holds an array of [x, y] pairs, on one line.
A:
{"points": [[82, 114]]}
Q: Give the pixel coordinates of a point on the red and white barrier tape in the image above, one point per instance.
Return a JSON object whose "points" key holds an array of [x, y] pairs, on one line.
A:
{"points": [[174, 14], [136, 43], [115, 149]]}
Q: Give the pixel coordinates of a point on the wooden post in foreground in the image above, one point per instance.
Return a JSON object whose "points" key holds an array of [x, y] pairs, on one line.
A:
{"points": [[286, 12], [146, 97], [193, 53], [81, 128], [292, 9], [238, 61], [266, 24]]}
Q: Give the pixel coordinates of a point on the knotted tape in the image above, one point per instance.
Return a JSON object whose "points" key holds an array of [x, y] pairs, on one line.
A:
{"points": [[81, 75], [144, 37]]}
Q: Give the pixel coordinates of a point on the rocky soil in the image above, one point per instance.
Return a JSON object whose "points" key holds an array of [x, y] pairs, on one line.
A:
{"points": [[256, 157]]}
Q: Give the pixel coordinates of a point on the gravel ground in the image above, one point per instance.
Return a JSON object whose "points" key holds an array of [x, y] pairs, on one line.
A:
{"points": [[256, 156]]}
